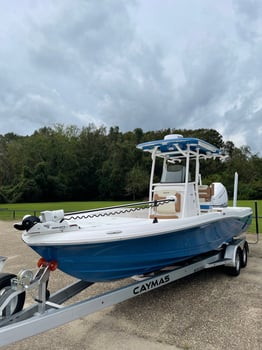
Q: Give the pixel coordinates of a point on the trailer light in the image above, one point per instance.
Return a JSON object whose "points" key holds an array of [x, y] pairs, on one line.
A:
{"points": [[52, 265], [41, 262]]}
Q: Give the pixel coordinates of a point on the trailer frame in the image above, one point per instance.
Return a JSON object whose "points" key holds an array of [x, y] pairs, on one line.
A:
{"points": [[48, 312]]}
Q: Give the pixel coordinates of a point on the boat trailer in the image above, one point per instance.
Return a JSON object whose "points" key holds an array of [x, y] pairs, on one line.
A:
{"points": [[48, 312]]}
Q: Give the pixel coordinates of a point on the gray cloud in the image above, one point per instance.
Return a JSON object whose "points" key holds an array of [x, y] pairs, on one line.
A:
{"points": [[248, 20], [120, 62]]}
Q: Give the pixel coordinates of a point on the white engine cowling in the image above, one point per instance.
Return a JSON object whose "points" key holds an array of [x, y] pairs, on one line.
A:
{"points": [[220, 197]]}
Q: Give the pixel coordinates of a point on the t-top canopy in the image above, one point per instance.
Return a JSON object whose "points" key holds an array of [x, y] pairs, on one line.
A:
{"points": [[177, 146]]}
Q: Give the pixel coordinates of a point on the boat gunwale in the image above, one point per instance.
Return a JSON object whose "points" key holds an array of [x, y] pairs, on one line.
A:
{"points": [[187, 223]]}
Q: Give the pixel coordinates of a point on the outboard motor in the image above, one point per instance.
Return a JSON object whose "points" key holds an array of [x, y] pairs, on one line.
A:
{"points": [[220, 197], [28, 222]]}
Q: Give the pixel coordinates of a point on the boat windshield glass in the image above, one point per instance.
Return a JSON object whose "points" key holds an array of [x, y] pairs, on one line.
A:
{"points": [[174, 173]]}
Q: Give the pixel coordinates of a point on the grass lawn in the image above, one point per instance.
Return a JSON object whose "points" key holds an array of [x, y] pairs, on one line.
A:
{"points": [[251, 204], [18, 210]]}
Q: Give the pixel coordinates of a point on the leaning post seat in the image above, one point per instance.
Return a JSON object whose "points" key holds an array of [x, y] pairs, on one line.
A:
{"points": [[205, 192], [169, 210]]}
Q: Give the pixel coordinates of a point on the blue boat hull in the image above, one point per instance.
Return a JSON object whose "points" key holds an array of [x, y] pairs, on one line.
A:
{"points": [[114, 260]]}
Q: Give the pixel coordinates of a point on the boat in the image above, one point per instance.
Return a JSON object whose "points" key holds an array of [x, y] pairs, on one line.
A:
{"points": [[182, 220]]}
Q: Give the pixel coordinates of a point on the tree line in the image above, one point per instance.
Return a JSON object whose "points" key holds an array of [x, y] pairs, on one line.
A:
{"points": [[66, 163]]}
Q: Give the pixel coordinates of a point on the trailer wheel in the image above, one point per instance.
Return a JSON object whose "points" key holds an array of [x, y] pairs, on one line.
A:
{"points": [[17, 303], [243, 255], [235, 270]]}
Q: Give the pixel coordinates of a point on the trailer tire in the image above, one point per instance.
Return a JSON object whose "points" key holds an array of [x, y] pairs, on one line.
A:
{"points": [[235, 270], [243, 255], [17, 302]]}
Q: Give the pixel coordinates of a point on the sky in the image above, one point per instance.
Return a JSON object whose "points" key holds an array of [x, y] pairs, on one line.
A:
{"points": [[150, 64]]}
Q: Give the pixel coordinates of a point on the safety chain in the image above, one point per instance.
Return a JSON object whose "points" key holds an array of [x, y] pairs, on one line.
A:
{"points": [[152, 204]]}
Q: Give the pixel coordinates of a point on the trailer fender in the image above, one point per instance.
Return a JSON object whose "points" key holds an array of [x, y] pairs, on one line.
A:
{"points": [[231, 252]]}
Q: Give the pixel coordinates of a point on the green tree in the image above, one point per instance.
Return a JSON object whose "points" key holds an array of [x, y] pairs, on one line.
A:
{"points": [[137, 182], [68, 163]]}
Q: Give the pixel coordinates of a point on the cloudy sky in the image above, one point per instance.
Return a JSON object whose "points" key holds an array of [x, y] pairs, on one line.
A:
{"points": [[133, 63]]}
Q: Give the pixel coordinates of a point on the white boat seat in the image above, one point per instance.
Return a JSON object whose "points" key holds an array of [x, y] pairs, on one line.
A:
{"points": [[169, 210], [205, 192]]}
